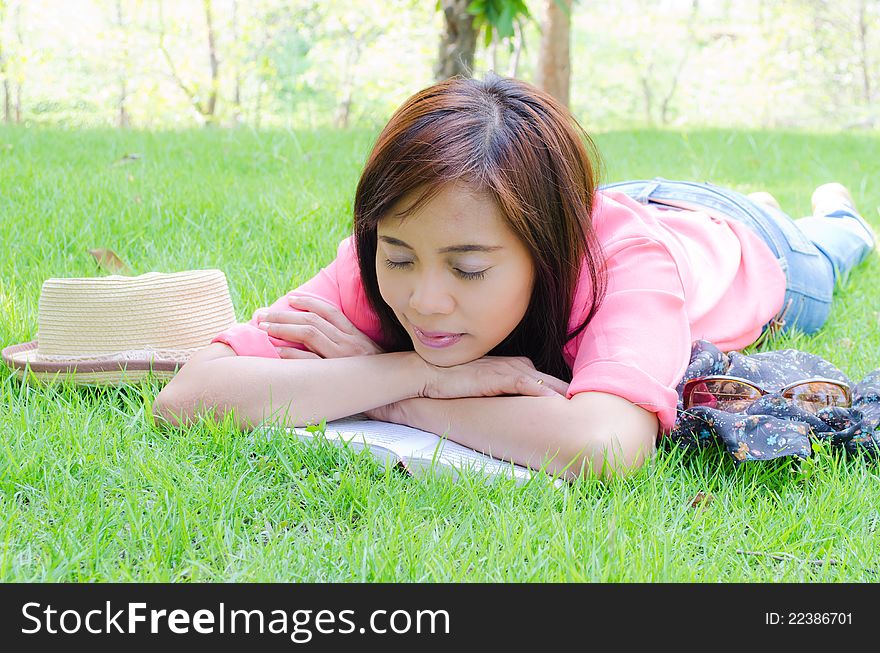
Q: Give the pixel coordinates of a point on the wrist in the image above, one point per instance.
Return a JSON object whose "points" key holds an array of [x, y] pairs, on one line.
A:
{"points": [[420, 370], [424, 413]]}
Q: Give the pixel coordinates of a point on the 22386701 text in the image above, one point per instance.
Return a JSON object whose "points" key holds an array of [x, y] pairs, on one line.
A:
{"points": [[807, 618]]}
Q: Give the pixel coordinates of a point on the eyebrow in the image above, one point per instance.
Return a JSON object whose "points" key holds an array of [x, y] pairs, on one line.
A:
{"points": [[446, 250]]}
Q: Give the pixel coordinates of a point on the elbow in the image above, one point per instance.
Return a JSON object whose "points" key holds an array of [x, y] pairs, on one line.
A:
{"points": [[167, 409], [175, 405], [194, 394], [607, 456]]}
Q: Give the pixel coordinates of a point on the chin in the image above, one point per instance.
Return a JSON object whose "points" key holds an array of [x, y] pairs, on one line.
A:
{"points": [[441, 358]]}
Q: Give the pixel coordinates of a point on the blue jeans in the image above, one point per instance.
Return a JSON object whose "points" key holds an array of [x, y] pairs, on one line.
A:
{"points": [[813, 251]]}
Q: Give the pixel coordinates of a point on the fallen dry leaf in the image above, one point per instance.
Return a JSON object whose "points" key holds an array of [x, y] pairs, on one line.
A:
{"points": [[108, 260], [702, 500]]}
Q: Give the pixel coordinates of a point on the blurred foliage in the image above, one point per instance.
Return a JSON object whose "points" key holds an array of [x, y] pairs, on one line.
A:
{"points": [[309, 63], [498, 18]]}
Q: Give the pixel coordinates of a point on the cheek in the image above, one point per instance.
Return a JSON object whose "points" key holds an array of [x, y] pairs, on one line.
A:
{"points": [[389, 288], [509, 294]]}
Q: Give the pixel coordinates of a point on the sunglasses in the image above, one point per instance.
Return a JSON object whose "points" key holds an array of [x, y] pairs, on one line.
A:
{"points": [[733, 394]]}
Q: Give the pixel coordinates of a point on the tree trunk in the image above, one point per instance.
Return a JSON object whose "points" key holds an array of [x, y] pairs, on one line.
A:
{"points": [[554, 60], [7, 101], [258, 109], [19, 35], [343, 110], [7, 106], [690, 43], [122, 119], [210, 108], [353, 53], [236, 98], [647, 80], [863, 52], [458, 43], [518, 40]]}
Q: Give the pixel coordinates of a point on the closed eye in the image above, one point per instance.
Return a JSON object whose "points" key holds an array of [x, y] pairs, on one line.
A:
{"points": [[396, 265]]}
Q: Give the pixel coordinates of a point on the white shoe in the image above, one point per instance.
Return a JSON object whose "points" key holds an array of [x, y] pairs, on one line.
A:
{"points": [[833, 200]]}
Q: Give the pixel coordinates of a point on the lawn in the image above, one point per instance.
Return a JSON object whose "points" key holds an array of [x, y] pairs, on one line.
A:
{"points": [[91, 491]]}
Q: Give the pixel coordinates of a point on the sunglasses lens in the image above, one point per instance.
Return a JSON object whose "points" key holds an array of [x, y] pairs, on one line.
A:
{"points": [[817, 395], [723, 394]]}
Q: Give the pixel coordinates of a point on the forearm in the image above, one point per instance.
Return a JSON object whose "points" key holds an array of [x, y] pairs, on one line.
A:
{"points": [[295, 391], [537, 432]]}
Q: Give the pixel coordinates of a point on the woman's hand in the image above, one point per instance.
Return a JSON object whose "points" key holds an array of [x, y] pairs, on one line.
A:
{"points": [[388, 413], [320, 326], [490, 376], [487, 376]]}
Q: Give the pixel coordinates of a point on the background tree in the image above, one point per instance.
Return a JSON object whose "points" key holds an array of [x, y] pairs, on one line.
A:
{"points": [[866, 61], [11, 56], [458, 40], [7, 100], [500, 21], [204, 103], [690, 41], [236, 96], [842, 49], [268, 54], [353, 33], [315, 63], [554, 59], [119, 22]]}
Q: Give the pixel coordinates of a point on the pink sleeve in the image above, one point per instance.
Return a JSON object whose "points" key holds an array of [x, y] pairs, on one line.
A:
{"points": [[248, 340], [638, 344]]}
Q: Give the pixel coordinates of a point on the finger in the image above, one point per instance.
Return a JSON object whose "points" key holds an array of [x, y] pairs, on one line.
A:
{"points": [[328, 345], [293, 352], [325, 309], [303, 317], [348, 338], [526, 385], [307, 334], [260, 313], [557, 385]]}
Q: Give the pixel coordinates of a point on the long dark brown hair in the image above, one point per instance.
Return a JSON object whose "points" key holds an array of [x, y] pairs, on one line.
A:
{"points": [[505, 137]]}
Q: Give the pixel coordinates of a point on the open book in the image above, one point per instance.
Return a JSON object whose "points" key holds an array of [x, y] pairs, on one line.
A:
{"points": [[413, 450]]}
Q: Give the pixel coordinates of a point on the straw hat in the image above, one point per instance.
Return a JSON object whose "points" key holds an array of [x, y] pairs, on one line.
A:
{"points": [[117, 329]]}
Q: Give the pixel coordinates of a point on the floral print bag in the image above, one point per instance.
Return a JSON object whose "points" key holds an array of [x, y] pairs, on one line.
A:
{"points": [[772, 426]]}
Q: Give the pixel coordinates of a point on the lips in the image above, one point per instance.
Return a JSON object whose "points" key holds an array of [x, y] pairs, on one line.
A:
{"points": [[436, 339], [435, 334]]}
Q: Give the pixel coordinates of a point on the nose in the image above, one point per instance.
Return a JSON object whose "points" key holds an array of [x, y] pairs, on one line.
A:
{"points": [[431, 295]]}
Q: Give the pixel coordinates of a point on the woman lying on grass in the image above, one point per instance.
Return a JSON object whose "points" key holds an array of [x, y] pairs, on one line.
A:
{"points": [[490, 292]]}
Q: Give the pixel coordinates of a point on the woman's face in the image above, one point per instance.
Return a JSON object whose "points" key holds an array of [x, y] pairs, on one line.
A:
{"points": [[429, 289]]}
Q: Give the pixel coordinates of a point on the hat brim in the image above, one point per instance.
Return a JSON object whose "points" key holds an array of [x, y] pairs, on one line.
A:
{"points": [[97, 371]]}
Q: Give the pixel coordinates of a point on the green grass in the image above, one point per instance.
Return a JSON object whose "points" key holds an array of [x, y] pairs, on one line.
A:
{"points": [[89, 490]]}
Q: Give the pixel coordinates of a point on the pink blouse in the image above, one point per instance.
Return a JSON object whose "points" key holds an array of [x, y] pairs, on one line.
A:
{"points": [[673, 277]]}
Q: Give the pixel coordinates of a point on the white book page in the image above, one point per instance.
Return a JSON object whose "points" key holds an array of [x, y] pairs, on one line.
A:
{"points": [[388, 446], [418, 450], [402, 440], [461, 457]]}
